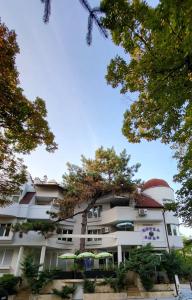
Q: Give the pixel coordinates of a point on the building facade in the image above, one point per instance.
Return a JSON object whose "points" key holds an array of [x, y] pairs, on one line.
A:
{"points": [[116, 224]]}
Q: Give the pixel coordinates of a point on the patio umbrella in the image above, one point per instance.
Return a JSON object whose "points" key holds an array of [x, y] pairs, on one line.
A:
{"points": [[127, 224], [103, 255], [86, 255], [67, 256], [87, 258]]}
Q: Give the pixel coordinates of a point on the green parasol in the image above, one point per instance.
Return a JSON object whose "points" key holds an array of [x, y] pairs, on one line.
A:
{"points": [[68, 256], [86, 255], [103, 255]]}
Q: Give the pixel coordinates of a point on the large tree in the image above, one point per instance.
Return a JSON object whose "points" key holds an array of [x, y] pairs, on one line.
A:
{"points": [[107, 173], [23, 124], [158, 66]]}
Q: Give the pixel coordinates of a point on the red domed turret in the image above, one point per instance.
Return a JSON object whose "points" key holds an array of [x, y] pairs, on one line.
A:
{"points": [[154, 183]]}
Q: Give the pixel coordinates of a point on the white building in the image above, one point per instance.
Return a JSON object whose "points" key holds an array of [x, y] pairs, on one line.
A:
{"points": [[115, 224]]}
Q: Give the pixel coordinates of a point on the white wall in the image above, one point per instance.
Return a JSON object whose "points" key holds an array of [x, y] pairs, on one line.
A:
{"points": [[118, 214], [159, 193]]}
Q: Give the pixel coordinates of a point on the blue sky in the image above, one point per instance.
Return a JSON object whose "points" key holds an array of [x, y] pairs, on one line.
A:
{"points": [[84, 112]]}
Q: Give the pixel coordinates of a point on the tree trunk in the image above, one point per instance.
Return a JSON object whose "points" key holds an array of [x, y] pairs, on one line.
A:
{"points": [[83, 231]]}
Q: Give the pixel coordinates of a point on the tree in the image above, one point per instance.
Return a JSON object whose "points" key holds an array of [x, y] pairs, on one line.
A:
{"points": [[23, 124], [173, 263], [144, 262], [93, 18], [157, 42], [187, 254], [107, 173]]}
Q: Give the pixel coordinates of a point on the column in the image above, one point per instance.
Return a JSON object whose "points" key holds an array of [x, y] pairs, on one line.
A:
{"points": [[18, 263], [42, 258], [177, 282], [119, 254]]}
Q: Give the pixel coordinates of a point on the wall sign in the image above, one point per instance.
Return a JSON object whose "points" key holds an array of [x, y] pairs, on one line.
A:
{"points": [[151, 233]]}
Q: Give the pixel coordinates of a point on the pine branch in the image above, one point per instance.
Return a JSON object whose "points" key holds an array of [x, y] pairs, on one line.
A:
{"points": [[93, 17], [47, 10]]}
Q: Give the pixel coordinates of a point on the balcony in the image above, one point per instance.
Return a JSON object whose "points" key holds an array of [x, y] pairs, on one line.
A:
{"points": [[6, 239], [27, 211], [35, 239], [39, 212], [116, 238], [10, 211], [125, 238], [120, 214]]}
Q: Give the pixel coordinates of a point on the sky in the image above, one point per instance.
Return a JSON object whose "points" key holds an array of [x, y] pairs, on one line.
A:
{"points": [[84, 112]]}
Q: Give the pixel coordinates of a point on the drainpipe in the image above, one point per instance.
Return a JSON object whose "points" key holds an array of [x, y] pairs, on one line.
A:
{"points": [[169, 249]]}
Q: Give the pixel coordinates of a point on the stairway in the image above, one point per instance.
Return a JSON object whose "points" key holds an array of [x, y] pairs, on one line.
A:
{"points": [[23, 294]]}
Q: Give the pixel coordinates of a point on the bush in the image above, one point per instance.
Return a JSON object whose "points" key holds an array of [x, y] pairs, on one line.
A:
{"points": [[89, 286], [8, 282], [65, 292], [147, 282], [117, 283], [174, 263], [144, 262], [35, 279]]}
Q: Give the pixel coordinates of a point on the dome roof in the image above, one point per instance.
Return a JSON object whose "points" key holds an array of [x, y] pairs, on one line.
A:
{"points": [[52, 181], [154, 183]]}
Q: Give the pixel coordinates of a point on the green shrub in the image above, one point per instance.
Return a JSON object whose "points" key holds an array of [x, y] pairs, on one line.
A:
{"points": [[8, 282], [35, 279], [89, 286], [174, 263], [65, 292], [144, 262], [118, 283], [147, 282]]}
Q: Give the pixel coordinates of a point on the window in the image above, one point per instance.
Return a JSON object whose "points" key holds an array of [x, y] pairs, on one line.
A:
{"points": [[169, 229], [94, 231], [5, 229], [175, 230], [95, 212], [172, 229], [15, 198], [6, 256], [66, 231]]}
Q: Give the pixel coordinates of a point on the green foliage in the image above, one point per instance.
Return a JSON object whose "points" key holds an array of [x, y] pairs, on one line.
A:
{"points": [[175, 263], [186, 254], [65, 292], [117, 283], [42, 227], [35, 279], [144, 262], [107, 173], [23, 124], [158, 67], [89, 286], [8, 283]]}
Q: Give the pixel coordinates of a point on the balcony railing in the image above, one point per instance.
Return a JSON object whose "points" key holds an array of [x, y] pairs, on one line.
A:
{"points": [[120, 214]]}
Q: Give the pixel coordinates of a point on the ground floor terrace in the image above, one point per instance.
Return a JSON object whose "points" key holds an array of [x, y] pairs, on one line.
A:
{"points": [[11, 257]]}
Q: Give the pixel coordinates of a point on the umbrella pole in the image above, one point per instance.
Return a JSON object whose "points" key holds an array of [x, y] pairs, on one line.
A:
{"points": [[106, 263]]}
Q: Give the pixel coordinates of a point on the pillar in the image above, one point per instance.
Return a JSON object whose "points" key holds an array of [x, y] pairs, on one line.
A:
{"points": [[119, 254], [42, 258], [18, 263], [177, 282]]}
